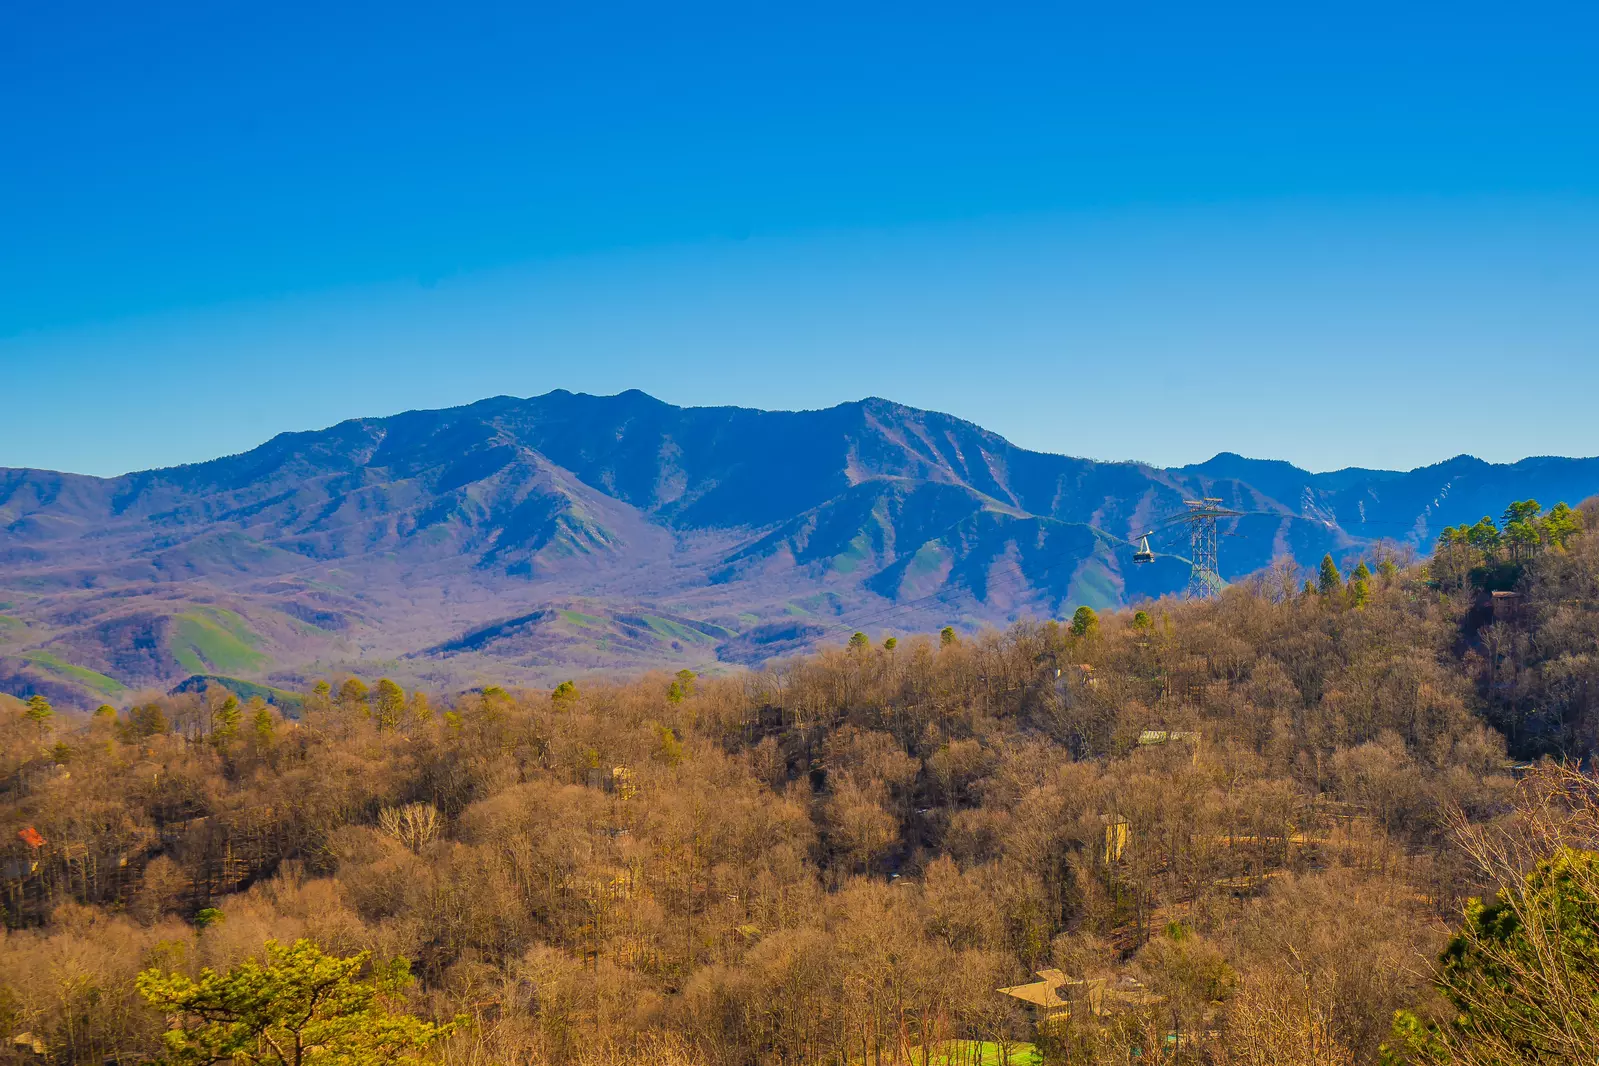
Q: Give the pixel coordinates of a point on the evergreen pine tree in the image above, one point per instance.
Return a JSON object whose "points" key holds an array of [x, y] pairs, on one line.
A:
{"points": [[1085, 622], [261, 726], [1330, 580], [39, 712], [225, 722], [296, 1007]]}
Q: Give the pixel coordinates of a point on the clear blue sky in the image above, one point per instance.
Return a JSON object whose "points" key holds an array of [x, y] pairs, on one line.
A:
{"points": [[1336, 234]]}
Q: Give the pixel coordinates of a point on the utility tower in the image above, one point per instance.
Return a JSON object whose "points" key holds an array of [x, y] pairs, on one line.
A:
{"points": [[1204, 578]]}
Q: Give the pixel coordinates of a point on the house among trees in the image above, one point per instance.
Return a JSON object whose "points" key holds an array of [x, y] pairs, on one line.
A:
{"points": [[1154, 738], [27, 1044], [1053, 995], [1049, 996], [1506, 606], [1151, 737]]}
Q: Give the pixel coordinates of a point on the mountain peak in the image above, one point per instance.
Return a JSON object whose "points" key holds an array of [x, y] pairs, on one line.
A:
{"points": [[636, 396], [1234, 462]]}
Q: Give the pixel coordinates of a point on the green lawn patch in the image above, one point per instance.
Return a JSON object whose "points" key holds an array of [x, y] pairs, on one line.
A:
{"points": [[106, 686], [984, 1053], [578, 618], [11, 627], [973, 1053]]}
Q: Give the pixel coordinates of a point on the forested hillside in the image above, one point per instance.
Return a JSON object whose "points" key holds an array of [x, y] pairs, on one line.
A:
{"points": [[531, 540], [1235, 831]]}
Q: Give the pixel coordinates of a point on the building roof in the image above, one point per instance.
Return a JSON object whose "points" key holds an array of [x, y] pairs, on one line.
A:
{"points": [[1161, 736], [1041, 993], [1046, 991]]}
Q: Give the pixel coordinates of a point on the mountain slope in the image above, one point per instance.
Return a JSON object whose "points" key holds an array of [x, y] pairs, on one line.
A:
{"points": [[569, 531]]}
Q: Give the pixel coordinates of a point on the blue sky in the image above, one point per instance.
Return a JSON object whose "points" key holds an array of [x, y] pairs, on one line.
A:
{"points": [[1336, 235]]}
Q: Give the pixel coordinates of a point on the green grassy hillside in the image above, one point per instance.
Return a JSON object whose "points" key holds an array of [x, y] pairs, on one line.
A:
{"points": [[211, 640], [245, 690], [65, 671]]}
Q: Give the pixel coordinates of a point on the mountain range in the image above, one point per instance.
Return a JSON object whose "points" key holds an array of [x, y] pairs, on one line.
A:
{"points": [[526, 540]]}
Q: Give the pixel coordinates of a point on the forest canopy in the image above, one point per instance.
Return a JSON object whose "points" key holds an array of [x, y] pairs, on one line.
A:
{"points": [[1254, 829]]}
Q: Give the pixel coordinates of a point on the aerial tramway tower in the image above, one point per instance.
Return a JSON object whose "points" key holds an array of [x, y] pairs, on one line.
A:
{"points": [[1204, 578]]}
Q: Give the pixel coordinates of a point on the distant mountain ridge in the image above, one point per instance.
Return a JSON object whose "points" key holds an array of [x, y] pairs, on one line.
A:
{"points": [[533, 538]]}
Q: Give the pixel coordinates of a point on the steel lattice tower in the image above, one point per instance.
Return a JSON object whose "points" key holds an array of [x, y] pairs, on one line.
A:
{"points": [[1204, 579], [1204, 576]]}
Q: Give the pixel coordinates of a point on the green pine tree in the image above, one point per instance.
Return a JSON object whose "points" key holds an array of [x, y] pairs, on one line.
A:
{"points": [[1085, 622], [262, 726], [300, 1007], [225, 720], [39, 712], [1559, 525], [1484, 536], [1329, 580], [1514, 974]]}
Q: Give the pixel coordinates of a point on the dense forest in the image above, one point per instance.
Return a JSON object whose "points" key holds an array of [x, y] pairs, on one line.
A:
{"points": [[1244, 830]]}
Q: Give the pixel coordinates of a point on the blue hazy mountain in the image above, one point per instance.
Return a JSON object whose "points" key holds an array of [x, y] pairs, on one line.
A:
{"points": [[620, 530]]}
